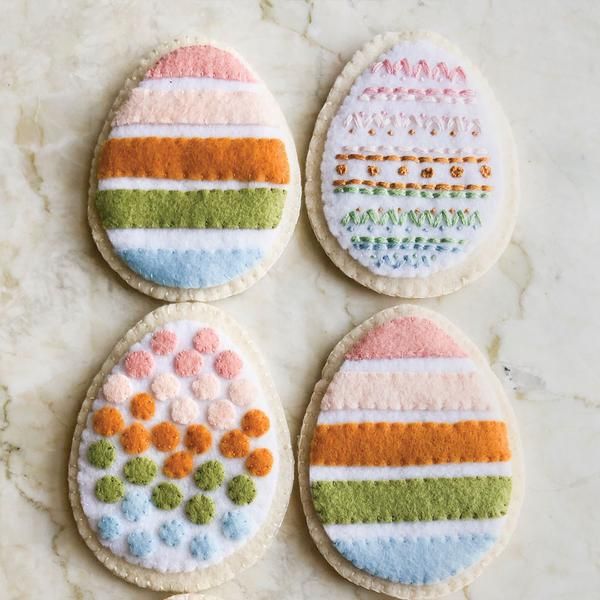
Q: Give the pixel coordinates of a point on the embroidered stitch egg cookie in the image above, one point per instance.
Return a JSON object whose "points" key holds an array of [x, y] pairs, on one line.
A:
{"points": [[195, 186], [181, 465], [409, 459], [411, 176]]}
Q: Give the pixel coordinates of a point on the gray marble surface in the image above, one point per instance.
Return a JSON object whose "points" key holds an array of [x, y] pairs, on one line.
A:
{"points": [[62, 309]]}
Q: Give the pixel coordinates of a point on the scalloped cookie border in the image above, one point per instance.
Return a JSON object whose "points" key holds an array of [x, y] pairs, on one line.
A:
{"points": [[488, 251], [291, 211], [345, 568], [249, 553]]}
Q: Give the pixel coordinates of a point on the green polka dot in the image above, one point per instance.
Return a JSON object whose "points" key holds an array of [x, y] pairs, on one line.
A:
{"points": [[210, 475], [140, 470], [101, 454], [200, 510], [109, 489], [241, 490], [166, 496]]}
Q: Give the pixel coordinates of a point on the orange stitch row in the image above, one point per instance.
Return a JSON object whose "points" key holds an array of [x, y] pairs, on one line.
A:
{"points": [[410, 157], [412, 186]]}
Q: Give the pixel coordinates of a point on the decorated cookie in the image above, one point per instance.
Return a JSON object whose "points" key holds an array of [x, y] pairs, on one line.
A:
{"points": [[194, 189], [411, 177], [181, 466], [409, 463]]}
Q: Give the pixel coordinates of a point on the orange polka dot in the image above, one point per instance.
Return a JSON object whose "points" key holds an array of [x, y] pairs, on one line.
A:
{"points": [[142, 406], [179, 465], [135, 439], [255, 423], [198, 438], [234, 444], [165, 436], [260, 462], [108, 421]]}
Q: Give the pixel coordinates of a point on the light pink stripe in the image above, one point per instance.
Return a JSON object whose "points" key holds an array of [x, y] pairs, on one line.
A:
{"points": [[407, 337], [405, 391], [196, 107], [200, 61]]}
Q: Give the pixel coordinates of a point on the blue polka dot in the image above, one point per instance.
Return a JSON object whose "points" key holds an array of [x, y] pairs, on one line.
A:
{"points": [[135, 505], [108, 528], [235, 525], [140, 543], [202, 547], [171, 532]]}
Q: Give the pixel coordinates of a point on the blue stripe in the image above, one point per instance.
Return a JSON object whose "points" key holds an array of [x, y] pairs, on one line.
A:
{"points": [[189, 268], [415, 561]]}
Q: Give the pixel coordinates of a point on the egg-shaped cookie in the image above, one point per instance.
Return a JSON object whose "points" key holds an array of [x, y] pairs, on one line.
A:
{"points": [[195, 185], [409, 461], [411, 177], [181, 465]]}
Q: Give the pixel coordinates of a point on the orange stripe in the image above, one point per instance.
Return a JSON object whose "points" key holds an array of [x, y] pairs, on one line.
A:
{"points": [[400, 444], [210, 159]]}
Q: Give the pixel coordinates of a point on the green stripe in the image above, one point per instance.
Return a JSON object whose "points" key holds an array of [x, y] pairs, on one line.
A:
{"points": [[411, 499], [257, 208], [378, 191]]}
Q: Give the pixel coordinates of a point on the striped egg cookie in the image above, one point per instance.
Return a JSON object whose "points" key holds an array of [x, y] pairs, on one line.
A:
{"points": [[411, 176], [181, 463], [195, 184], [409, 461]]}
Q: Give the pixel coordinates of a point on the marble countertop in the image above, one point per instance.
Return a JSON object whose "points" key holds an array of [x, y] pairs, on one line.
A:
{"points": [[535, 313]]}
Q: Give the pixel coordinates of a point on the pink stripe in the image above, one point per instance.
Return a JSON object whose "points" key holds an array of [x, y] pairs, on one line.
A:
{"points": [[408, 337], [196, 107], [405, 391], [200, 61]]}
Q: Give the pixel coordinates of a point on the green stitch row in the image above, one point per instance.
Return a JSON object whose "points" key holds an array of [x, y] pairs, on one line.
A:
{"points": [[411, 499], [417, 217], [256, 208], [396, 241], [379, 191]]}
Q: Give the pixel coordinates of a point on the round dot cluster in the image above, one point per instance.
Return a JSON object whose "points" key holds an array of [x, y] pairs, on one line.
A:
{"points": [[181, 439]]}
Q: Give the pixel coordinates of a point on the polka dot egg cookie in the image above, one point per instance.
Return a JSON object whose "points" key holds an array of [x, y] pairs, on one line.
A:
{"points": [[195, 188], [181, 466], [409, 461]]}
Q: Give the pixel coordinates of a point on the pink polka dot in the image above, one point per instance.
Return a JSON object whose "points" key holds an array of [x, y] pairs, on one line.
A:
{"points": [[139, 364], [184, 410], [165, 386], [206, 340], [228, 364], [188, 363], [117, 388], [221, 414], [242, 392], [163, 342], [206, 387]]}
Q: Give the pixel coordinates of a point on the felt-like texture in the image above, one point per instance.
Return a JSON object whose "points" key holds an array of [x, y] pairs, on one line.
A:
{"points": [[405, 391], [139, 364], [260, 462], [228, 364], [196, 107], [190, 268], [101, 454], [257, 208], [135, 439], [166, 496], [333, 417], [415, 561], [109, 489], [206, 340], [409, 365], [200, 61], [202, 547], [241, 490], [198, 438], [188, 363], [140, 470], [244, 159], [164, 342], [255, 423], [142, 406], [197, 131], [399, 444], [411, 499], [241, 392], [200, 509], [108, 528], [179, 465], [221, 414], [210, 475], [140, 543], [171, 532], [234, 444], [234, 525], [165, 436], [165, 386], [184, 410], [407, 337], [206, 387], [135, 505], [108, 421], [117, 388]]}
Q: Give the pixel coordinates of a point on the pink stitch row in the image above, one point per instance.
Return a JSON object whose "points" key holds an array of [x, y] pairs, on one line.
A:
{"points": [[419, 94], [420, 70]]}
